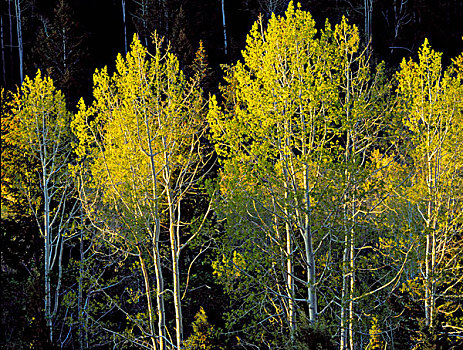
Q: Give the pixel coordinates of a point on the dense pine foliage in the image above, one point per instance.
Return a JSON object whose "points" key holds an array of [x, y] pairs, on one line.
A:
{"points": [[244, 175]]}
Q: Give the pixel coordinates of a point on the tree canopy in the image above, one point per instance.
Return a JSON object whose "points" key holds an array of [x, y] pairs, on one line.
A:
{"points": [[313, 199]]}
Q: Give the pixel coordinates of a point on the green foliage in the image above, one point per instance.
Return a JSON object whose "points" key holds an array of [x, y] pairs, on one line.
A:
{"points": [[334, 190], [430, 105], [38, 134], [13, 201], [38, 127], [201, 70], [140, 144], [204, 335], [301, 113], [375, 336], [139, 112]]}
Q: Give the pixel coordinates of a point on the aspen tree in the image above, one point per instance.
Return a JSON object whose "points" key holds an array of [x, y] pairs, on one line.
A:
{"points": [[274, 137], [142, 135], [39, 125], [124, 22], [368, 20], [225, 41], [301, 114], [18, 11], [144, 19], [430, 107], [3, 51], [362, 101]]}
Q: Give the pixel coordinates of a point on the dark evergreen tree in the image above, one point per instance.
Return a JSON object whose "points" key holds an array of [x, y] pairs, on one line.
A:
{"points": [[180, 42], [59, 51]]}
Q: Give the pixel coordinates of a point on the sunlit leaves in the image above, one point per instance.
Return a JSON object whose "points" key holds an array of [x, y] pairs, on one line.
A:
{"points": [[430, 107], [38, 113], [146, 106], [278, 134]]}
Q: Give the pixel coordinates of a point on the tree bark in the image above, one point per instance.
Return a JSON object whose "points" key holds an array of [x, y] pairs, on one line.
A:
{"points": [[307, 236], [311, 275], [368, 8], [20, 40], [46, 220], [155, 247], [225, 42], [10, 16], [148, 294], [289, 236], [3, 52], [125, 25], [173, 247], [80, 307]]}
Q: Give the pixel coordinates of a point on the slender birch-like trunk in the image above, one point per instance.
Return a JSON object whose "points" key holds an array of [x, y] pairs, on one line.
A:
{"points": [[352, 279], [344, 322], [290, 286], [308, 245], [3, 52], [368, 12], [225, 42], [80, 308], [347, 334], [430, 231], [173, 246], [307, 230], [290, 280], [125, 25], [155, 235], [149, 303], [144, 14], [20, 39], [10, 20], [49, 149], [48, 255]]}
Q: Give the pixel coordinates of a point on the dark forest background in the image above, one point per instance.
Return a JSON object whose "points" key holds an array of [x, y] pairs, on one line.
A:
{"points": [[398, 28]]}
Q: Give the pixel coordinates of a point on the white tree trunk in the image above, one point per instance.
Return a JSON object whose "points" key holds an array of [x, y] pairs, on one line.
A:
{"points": [[53, 223], [144, 14], [173, 247], [311, 275], [10, 16], [149, 303], [368, 8], [290, 286], [125, 25], [308, 244], [3, 52], [155, 248], [80, 308], [20, 39], [48, 256], [225, 43]]}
